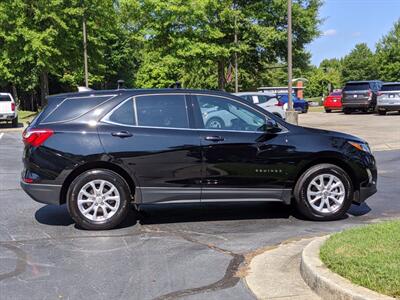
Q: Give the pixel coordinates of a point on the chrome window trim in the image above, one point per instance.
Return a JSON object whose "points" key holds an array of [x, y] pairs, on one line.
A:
{"points": [[105, 118], [111, 96]]}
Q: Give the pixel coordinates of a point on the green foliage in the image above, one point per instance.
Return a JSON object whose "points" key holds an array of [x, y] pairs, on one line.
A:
{"points": [[319, 80], [388, 55], [360, 64]]}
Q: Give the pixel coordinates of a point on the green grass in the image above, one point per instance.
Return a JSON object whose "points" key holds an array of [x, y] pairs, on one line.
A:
{"points": [[368, 256], [25, 116]]}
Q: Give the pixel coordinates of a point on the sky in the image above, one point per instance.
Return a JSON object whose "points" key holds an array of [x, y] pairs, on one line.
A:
{"points": [[349, 22]]}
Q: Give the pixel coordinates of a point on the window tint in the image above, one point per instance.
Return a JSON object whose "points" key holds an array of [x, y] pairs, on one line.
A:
{"points": [[336, 93], [5, 98], [72, 108], [391, 87], [222, 113], [123, 114], [357, 86], [162, 111]]}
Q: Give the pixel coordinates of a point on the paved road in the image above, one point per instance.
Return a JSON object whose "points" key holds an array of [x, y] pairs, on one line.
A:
{"points": [[168, 252]]}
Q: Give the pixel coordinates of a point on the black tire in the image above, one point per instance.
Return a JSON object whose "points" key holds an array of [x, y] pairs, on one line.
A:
{"points": [[15, 122], [300, 190], [328, 110], [382, 112], [214, 120], [347, 111], [98, 174]]}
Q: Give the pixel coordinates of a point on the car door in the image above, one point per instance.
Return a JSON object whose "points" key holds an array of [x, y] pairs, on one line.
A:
{"points": [[152, 136], [241, 160]]}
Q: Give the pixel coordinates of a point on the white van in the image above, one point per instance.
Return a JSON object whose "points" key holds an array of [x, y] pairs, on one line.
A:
{"points": [[8, 109]]}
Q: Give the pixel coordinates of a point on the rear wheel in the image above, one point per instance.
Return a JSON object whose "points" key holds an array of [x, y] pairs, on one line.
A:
{"points": [[15, 122], [324, 192], [328, 110], [381, 112], [347, 111], [98, 199]]}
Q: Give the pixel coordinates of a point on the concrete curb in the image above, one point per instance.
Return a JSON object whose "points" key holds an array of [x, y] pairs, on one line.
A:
{"points": [[327, 284]]}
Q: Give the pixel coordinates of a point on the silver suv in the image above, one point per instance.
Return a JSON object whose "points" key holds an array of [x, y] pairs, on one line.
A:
{"points": [[388, 98]]}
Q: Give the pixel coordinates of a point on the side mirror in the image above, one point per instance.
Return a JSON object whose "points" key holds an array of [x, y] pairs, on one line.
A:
{"points": [[271, 126]]}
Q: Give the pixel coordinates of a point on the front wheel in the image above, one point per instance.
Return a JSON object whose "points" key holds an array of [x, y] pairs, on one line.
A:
{"points": [[98, 199], [382, 112], [324, 193], [15, 122]]}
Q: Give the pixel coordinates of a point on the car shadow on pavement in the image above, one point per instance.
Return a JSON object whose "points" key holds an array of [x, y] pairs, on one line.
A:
{"points": [[359, 210], [180, 213], [9, 125], [54, 215]]}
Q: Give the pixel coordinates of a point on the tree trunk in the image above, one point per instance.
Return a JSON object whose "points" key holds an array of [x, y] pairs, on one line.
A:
{"points": [[31, 104], [44, 88], [221, 75], [14, 93]]}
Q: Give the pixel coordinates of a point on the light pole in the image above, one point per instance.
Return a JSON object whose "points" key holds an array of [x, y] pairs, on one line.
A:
{"points": [[291, 115], [85, 58], [236, 58]]}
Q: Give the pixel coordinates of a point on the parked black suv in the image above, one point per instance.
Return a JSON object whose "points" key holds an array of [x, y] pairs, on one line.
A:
{"points": [[360, 95], [100, 151]]}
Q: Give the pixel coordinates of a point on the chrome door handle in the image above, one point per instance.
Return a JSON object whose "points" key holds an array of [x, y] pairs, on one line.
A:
{"points": [[122, 134], [214, 138]]}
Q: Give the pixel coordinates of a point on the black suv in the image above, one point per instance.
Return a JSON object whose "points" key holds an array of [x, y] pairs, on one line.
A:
{"points": [[100, 151], [360, 95]]}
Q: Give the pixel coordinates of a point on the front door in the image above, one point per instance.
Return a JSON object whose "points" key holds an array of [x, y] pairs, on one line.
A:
{"points": [[241, 160], [151, 136]]}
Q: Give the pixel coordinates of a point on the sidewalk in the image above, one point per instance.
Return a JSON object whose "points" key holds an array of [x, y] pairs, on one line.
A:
{"points": [[275, 274]]}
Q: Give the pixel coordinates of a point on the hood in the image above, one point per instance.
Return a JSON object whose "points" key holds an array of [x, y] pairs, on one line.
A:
{"points": [[333, 134]]}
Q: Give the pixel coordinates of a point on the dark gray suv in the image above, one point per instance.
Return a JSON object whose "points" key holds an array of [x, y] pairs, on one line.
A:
{"points": [[360, 95]]}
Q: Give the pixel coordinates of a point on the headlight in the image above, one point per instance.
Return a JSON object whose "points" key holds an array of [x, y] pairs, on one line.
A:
{"points": [[360, 146]]}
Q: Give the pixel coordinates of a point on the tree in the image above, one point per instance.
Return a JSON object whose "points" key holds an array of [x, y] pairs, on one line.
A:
{"points": [[388, 55], [193, 40], [360, 64], [319, 80]]}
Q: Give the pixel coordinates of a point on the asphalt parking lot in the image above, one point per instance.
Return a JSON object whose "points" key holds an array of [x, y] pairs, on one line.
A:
{"points": [[166, 252]]}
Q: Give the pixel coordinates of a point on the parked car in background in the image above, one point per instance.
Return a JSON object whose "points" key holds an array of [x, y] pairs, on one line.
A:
{"points": [[98, 152], [267, 101], [8, 109], [333, 101], [360, 95], [388, 98], [298, 104]]}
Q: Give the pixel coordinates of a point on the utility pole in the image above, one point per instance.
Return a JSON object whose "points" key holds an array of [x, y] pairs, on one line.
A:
{"points": [[291, 115], [85, 58], [236, 58]]}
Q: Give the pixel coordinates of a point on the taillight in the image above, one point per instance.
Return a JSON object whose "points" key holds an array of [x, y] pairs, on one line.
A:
{"points": [[379, 94], [36, 137], [12, 106], [279, 103], [369, 94]]}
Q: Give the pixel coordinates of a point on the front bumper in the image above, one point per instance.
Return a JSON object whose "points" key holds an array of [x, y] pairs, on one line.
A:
{"points": [[43, 193]]}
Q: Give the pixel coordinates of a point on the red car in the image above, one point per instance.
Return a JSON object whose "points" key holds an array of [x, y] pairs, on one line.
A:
{"points": [[333, 101]]}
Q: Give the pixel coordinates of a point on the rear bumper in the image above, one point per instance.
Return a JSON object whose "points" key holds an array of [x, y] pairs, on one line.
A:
{"points": [[388, 107], [7, 117], [358, 104], [43, 193]]}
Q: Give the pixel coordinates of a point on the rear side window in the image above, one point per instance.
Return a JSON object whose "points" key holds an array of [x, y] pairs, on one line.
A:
{"points": [[5, 98], [390, 87], [357, 86], [162, 111], [71, 108]]}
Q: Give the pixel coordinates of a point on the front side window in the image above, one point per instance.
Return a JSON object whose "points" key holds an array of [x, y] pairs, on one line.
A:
{"points": [[222, 113], [162, 111]]}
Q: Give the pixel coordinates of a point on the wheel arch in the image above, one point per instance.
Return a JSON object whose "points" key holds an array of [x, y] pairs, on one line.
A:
{"points": [[96, 165], [334, 161]]}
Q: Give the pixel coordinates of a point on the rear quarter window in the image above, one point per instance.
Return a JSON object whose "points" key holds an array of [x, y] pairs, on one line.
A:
{"points": [[71, 108]]}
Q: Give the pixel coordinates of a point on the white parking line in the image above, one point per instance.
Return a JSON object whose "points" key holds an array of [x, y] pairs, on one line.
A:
{"points": [[1, 135]]}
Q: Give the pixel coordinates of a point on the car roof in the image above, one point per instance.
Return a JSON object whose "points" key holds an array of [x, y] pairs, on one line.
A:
{"points": [[362, 81], [133, 92], [391, 83], [254, 93]]}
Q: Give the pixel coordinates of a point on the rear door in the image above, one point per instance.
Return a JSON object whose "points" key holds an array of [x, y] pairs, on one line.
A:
{"points": [[152, 136]]}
